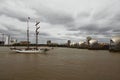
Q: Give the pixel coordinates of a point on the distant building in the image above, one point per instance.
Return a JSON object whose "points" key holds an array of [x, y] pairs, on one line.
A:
{"points": [[24, 42], [2, 42], [72, 44], [93, 44], [7, 40], [115, 43], [88, 39], [48, 42], [68, 42], [81, 42], [13, 41]]}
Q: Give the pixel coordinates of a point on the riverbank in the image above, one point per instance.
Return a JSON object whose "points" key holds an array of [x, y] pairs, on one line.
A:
{"points": [[61, 46]]}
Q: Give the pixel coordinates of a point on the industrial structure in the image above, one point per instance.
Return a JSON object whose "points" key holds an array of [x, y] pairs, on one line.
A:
{"points": [[93, 43], [115, 43], [6, 39]]}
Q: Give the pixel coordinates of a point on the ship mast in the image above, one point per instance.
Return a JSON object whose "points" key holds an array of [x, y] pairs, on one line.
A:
{"points": [[36, 31], [28, 32]]}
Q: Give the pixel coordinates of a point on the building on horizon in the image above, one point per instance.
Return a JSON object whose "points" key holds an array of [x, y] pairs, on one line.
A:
{"points": [[2, 43], [68, 42], [115, 43], [24, 42], [48, 42]]}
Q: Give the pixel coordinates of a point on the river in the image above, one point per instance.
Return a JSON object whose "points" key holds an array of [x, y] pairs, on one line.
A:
{"points": [[60, 64]]}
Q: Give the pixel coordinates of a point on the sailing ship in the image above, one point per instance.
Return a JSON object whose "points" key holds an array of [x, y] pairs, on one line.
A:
{"points": [[28, 49]]}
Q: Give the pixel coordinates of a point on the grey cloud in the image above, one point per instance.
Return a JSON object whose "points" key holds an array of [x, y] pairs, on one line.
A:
{"points": [[45, 15], [44, 34], [84, 15], [58, 19], [116, 30], [115, 20], [93, 30], [102, 21], [32, 33], [53, 39], [10, 29], [89, 27], [108, 17], [15, 10], [109, 23], [72, 29], [53, 17], [20, 34], [103, 14], [15, 15]]}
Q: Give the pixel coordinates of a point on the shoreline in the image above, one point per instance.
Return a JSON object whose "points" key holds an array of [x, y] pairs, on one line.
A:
{"points": [[63, 47]]}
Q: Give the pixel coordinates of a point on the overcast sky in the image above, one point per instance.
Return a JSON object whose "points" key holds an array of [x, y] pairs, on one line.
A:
{"points": [[61, 20]]}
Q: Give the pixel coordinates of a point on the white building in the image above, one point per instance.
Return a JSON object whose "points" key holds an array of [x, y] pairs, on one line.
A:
{"points": [[9, 40]]}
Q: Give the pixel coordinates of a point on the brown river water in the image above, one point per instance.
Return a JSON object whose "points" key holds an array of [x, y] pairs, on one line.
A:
{"points": [[60, 64]]}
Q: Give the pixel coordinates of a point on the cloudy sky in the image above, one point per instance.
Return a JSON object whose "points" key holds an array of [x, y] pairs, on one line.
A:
{"points": [[61, 19]]}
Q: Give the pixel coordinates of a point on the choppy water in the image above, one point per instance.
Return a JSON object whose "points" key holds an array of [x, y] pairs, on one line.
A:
{"points": [[60, 64]]}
